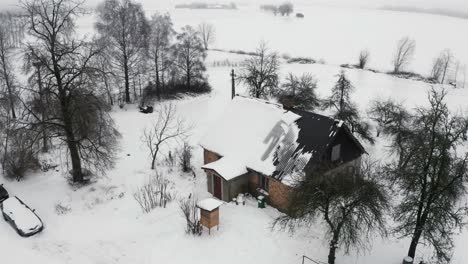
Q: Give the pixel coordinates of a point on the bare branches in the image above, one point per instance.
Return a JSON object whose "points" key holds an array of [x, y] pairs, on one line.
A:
{"points": [[364, 57], [167, 127], [76, 114], [351, 202], [403, 54], [431, 176], [154, 193], [441, 66], [260, 72], [191, 214], [207, 32]]}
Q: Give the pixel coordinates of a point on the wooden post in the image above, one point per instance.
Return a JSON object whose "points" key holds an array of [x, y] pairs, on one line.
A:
{"points": [[233, 79]]}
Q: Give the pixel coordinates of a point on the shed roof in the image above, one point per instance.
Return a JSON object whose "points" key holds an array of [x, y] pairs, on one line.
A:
{"points": [[227, 167], [209, 204]]}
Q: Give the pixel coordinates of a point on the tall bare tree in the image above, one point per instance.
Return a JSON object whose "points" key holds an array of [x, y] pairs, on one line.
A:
{"points": [[431, 175], [161, 35], [207, 32], [7, 77], [403, 54], [78, 116], [189, 56], [122, 23], [352, 205], [260, 72], [442, 65]]}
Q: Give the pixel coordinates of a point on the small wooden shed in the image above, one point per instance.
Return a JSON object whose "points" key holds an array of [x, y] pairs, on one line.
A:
{"points": [[209, 212]]}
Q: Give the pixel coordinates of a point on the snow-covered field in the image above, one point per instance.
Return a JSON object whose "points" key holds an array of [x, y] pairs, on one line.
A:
{"points": [[102, 223], [333, 34]]}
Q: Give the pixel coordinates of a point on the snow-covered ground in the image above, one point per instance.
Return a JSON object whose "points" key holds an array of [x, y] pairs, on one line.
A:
{"points": [[102, 223], [333, 34]]}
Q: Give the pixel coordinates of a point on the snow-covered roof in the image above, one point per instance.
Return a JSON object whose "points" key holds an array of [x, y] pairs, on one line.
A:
{"points": [[249, 132], [209, 204], [227, 167], [264, 137]]}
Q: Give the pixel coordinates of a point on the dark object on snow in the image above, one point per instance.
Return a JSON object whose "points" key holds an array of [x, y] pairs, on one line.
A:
{"points": [[22, 218], [261, 201], [300, 15], [146, 109], [3, 193]]}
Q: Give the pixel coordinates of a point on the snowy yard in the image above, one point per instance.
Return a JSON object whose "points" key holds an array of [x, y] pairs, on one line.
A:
{"points": [[102, 223]]}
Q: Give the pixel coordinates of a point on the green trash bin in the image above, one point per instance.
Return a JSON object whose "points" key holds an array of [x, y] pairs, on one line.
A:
{"points": [[261, 201]]}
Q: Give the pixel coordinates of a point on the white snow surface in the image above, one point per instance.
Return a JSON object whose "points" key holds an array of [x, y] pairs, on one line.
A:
{"points": [[248, 132], [209, 204], [24, 218], [227, 168], [103, 223]]}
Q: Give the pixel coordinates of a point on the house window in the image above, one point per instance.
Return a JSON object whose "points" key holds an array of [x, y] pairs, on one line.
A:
{"points": [[264, 182], [336, 152]]}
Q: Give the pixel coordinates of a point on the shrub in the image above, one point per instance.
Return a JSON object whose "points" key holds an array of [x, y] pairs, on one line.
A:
{"points": [[190, 210], [154, 193], [20, 153], [185, 157]]}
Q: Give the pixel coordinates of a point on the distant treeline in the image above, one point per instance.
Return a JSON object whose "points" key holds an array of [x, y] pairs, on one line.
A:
{"points": [[202, 5], [433, 11], [284, 9]]}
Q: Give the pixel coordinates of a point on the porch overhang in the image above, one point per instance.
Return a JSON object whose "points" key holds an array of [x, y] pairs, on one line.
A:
{"points": [[227, 168]]}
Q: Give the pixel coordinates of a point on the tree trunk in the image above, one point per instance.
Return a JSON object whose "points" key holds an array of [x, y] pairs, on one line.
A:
{"points": [[158, 84], [127, 81], [8, 85], [153, 160], [415, 241], [332, 251]]}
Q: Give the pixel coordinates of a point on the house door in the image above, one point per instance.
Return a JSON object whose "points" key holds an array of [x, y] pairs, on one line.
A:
{"points": [[217, 187]]}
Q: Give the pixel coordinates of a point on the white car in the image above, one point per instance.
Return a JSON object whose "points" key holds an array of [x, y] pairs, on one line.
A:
{"points": [[21, 217]]}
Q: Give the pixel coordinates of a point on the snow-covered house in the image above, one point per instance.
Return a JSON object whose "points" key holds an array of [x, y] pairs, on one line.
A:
{"points": [[259, 147]]}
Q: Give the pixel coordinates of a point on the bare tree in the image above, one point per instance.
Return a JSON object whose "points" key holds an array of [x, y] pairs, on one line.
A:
{"points": [[441, 66], [260, 72], [122, 24], [299, 92], [7, 77], [364, 57], [207, 32], [431, 174], [352, 204], [286, 9], [167, 127], [189, 55], [185, 157], [404, 54], [161, 35], [78, 116], [389, 115]]}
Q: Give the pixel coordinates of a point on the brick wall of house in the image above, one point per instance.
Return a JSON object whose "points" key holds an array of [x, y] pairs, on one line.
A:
{"points": [[279, 194], [209, 156]]}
